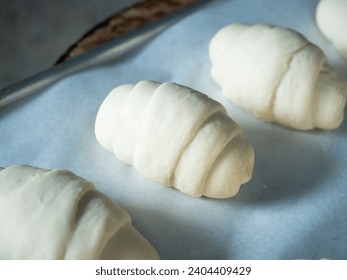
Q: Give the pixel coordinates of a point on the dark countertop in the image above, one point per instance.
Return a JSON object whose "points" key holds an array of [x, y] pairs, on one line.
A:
{"points": [[34, 34]]}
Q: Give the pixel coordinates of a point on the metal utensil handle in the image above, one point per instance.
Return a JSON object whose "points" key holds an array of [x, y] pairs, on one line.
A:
{"points": [[106, 52]]}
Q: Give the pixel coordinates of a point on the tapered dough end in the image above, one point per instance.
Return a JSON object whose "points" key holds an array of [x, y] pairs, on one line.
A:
{"points": [[225, 36], [331, 90], [129, 244], [233, 167], [332, 22], [104, 230], [108, 112]]}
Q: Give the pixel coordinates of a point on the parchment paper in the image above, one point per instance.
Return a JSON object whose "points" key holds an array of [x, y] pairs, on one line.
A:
{"points": [[293, 208]]}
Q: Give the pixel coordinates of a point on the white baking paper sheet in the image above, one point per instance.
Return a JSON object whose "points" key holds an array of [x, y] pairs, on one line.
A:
{"points": [[293, 208]]}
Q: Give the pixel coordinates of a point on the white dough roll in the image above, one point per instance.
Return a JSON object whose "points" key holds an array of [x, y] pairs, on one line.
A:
{"points": [[278, 76], [54, 214], [331, 18], [175, 136]]}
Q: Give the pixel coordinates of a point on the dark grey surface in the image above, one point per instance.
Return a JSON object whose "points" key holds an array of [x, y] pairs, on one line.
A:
{"points": [[33, 34], [104, 53]]}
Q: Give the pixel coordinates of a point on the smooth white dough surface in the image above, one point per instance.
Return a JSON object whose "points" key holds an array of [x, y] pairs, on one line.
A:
{"points": [[331, 18], [294, 207], [177, 137], [54, 214], [278, 75]]}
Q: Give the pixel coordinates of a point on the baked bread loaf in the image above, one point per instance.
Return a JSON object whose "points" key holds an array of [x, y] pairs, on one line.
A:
{"points": [[54, 214], [331, 18], [277, 75], [177, 137]]}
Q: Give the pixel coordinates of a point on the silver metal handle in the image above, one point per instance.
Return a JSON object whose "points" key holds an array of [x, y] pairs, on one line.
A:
{"points": [[106, 52]]}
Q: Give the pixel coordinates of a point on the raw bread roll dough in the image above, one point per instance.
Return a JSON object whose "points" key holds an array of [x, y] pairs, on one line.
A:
{"points": [[54, 214], [331, 18], [176, 136], [277, 75]]}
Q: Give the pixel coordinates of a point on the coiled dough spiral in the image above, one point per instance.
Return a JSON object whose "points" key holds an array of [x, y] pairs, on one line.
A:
{"points": [[54, 214], [177, 137], [277, 75], [331, 18]]}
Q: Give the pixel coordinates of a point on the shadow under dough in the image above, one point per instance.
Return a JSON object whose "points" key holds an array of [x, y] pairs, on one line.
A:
{"points": [[288, 163], [180, 238]]}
